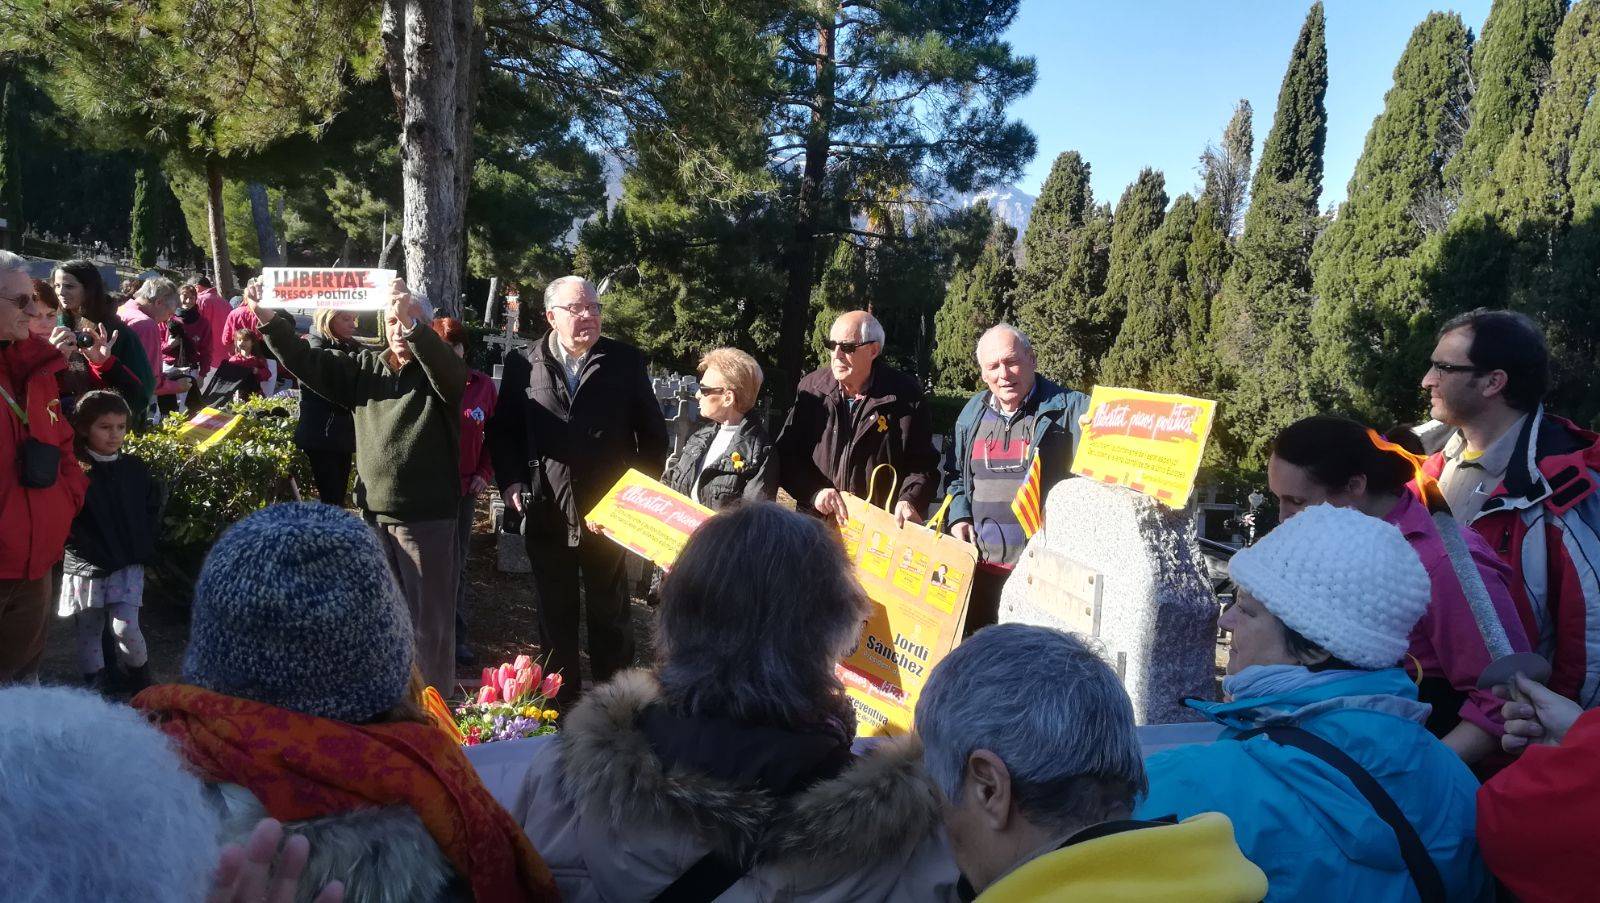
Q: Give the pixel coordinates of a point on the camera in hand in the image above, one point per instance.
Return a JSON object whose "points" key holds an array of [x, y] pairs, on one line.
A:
{"points": [[84, 339]]}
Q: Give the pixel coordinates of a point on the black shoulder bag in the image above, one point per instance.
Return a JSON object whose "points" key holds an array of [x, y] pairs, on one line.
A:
{"points": [[38, 463], [1424, 872]]}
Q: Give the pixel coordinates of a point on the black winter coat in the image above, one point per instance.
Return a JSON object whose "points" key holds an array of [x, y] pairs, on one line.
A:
{"points": [[753, 476], [569, 448], [120, 520], [826, 445], [323, 425]]}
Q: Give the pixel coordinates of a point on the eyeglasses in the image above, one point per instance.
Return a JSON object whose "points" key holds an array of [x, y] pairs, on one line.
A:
{"points": [[704, 391], [20, 301], [1447, 369], [578, 310], [846, 347]]}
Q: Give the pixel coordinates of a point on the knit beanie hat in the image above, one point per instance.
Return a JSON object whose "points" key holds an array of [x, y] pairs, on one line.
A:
{"points": [[1345, 581], [296, 607]]}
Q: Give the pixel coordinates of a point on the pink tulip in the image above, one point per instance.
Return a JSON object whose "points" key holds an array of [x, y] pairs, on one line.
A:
{"points": [[506, 673], [487, 694], [551, 686], [535, 674], [490, 677], [523, 684], [508, 690], [522, 663]]}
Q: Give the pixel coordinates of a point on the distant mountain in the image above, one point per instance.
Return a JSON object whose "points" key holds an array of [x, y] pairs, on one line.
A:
{"points": [[1011, 204]]}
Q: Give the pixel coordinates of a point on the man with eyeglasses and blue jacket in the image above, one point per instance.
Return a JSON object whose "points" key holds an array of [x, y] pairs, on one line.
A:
{"points": [[995, 501]]}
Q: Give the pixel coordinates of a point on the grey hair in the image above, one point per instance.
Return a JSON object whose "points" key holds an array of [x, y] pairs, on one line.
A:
{"points": [[10, 262], [1050, 708], [159, 289], [872, 330], [1004, 329], [553, 290], [757, 610]]}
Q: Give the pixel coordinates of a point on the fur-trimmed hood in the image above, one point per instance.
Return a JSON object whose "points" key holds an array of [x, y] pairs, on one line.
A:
{"points": [[878, 811]]}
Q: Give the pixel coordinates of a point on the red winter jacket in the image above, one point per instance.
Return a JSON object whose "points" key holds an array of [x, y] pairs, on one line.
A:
{"points": [[1544, 521], [477, 406], [1538, 819], [34, 522]]}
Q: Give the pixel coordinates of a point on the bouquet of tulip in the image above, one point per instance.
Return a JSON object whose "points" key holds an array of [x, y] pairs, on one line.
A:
{"points": [[514, 702]]}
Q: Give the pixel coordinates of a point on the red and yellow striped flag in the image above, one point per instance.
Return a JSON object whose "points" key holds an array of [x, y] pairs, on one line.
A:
{"points": [[208, 428], [1026, 504]]}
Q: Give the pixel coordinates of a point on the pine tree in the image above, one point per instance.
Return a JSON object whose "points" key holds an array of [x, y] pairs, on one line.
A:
{"points": [[1367, 281], [1065, 258], [1262, 317], [1469, 264], [1155, 334], [978, 297]]}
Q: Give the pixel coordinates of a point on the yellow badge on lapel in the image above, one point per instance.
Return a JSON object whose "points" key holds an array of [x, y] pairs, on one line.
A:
{"points": [[883, 424], [738, 461]]}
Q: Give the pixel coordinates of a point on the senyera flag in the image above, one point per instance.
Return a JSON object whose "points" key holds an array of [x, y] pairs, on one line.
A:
{"points": [[208, 428], [313, 288]]}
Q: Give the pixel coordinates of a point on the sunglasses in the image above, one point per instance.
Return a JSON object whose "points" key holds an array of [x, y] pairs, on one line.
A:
{"points": [[846, 347], [1454, 368], [704, 391]]}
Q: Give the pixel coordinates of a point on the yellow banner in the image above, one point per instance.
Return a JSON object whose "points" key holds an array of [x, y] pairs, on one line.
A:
{"points": [[919, 582], [645, 517], [1147, 441]]}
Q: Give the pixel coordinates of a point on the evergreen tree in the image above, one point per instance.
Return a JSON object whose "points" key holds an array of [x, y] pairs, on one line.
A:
{"points": [[1469, 264], [10, 166], [1367, 281], [1262, 317], [1131, 266], [145, 241], [1152, 345], [1226, 168], [978, 297], [1066, 253]]}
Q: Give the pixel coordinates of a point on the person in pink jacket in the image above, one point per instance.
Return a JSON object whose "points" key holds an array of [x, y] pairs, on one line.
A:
{"points": [[147, 314], [1333, 460], [213, 345], [477, 469]]}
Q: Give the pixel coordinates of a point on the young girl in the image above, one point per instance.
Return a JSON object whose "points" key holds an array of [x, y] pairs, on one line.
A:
{"points": [[112, 540], [245, 355]]}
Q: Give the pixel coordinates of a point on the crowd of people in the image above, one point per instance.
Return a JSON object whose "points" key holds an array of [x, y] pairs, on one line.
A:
{"points": [[1357, 754]]}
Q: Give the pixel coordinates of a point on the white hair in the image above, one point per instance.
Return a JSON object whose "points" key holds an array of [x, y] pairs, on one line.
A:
{"points": [[159, 290], [1049, 707], [96, 805], [1004, 329], [10, 262], [552, 292], [871, 330]]}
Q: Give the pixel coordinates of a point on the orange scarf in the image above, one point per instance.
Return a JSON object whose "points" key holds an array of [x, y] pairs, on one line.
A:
{"points": [[302, 767]]}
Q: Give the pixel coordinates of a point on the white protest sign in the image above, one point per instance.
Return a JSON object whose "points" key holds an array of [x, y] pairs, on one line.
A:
{"points": [[341, 288]]}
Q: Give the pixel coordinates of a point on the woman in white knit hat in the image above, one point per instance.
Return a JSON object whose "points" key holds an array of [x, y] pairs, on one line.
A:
{"points": [[1334, 785]]}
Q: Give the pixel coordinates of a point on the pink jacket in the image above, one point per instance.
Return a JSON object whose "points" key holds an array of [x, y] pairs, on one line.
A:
{"points": [[152, 336], [213, 343], [1446, 642], [477, 406], [239, 318]]}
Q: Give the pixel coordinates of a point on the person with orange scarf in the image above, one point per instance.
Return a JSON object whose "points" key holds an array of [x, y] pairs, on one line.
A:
{"points": [[299, 701]]}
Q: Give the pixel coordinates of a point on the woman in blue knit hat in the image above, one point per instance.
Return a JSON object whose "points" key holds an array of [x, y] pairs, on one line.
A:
{"points": [[1325, 767]]}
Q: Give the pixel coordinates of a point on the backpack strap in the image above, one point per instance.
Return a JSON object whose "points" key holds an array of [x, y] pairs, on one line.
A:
{"points": [[706, 880], [1424, 872]]}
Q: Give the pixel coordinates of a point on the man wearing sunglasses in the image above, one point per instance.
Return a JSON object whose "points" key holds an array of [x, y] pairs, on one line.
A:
{"points": [[1527, 481], [41, 482], [852, 415]]}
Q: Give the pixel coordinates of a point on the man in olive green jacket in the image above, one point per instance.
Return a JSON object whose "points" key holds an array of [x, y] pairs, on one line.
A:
{"points": [[405, 401]]}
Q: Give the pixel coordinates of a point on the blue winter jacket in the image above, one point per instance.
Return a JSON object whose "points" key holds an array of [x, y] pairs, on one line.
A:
{"points": [[1303, 822]]}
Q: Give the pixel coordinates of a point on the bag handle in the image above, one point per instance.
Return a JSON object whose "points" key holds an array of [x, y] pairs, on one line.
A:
{"points": [[21, 414], [1424, 872], [936, 522], [872, 485]]}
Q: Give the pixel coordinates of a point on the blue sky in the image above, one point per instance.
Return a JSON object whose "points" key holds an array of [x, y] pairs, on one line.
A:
{"points": [[1133, 84]]}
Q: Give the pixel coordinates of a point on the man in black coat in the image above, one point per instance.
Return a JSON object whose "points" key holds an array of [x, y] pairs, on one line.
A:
{"points": [[575, 412], [850, 417]]}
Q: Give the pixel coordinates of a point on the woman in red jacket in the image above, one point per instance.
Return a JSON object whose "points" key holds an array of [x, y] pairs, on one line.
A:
{"points": [[41, 484], [477, 470]]}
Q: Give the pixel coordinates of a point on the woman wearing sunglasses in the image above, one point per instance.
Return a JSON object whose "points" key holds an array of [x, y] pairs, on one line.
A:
{"points": [[730, 457]]}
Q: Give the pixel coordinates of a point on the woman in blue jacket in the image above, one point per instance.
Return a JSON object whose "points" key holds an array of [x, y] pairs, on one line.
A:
{"points": [[1335, 787]]}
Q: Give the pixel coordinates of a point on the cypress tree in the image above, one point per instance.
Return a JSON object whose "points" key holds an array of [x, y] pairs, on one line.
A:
{"points": [[145, 232], [1065, 258], [1227, 168], [1131, 269], [1368, 283], [10, 166], [1262, 317], [1469, 264], [1151, 349], [978, 297]]}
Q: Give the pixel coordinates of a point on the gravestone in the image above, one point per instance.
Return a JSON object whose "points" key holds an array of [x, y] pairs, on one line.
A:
{"points": [[1126, 572]]}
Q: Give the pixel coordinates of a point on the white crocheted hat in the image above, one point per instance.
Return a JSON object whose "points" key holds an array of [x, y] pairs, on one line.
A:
{"points": [[1348, 582]]}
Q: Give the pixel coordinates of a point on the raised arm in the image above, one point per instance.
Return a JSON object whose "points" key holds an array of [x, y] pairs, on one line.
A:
{"points": [[333, 375]]}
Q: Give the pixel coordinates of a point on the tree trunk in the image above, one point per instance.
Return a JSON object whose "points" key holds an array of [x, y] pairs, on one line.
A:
{"points": [[432, 58], [266, 234], [800, 259], [222, 266]]}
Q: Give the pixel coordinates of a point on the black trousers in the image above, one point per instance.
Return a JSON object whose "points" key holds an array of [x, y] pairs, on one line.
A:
{"points": [[558, 571], [984, 608], [330, 470]]}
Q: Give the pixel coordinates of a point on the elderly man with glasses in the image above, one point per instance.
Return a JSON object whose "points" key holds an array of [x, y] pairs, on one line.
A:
{"points": [[1018, 419], [575, 412], [851, 416]]}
